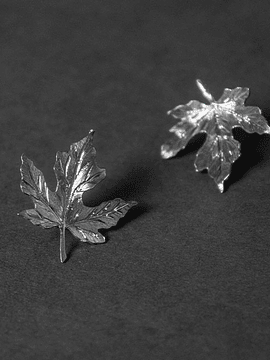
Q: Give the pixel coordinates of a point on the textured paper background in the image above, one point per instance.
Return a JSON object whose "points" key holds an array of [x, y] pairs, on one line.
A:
{"points": [[186, 275]]}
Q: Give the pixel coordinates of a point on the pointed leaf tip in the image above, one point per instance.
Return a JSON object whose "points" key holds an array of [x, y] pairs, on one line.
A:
{"points": [[63, 259], [24, 158], [165, 152], [221, 187]]}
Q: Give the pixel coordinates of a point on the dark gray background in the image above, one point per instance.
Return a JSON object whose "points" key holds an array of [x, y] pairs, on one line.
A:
{"points": [[186, 274]]}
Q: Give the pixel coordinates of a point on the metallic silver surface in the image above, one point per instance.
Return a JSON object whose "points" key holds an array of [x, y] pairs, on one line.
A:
{"points": [[76, 172], [217, 120]]}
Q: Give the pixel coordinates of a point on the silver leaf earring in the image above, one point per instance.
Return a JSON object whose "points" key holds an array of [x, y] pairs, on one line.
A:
{"points": [[76, 171], [217, 120]]}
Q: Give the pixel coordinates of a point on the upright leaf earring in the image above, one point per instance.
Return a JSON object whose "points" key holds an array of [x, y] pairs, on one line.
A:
{"points": [[76, 172], [217, 120]]}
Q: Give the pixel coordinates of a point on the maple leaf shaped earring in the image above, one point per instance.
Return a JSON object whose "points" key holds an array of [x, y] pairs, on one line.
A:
{"points": [[76, 171], [217, 120]]}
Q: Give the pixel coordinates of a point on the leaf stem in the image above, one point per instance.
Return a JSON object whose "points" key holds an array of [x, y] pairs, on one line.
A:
{"points": [[204, 91], [63, 254]]}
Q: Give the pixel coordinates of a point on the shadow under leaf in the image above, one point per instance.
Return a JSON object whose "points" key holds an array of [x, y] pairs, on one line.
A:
{"points": [[255, 151], [194, 144], [132, 186], [73, 244]]}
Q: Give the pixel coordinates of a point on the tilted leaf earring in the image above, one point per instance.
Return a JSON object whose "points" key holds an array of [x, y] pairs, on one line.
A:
{"points": [[217, 120], [76, 171]]}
